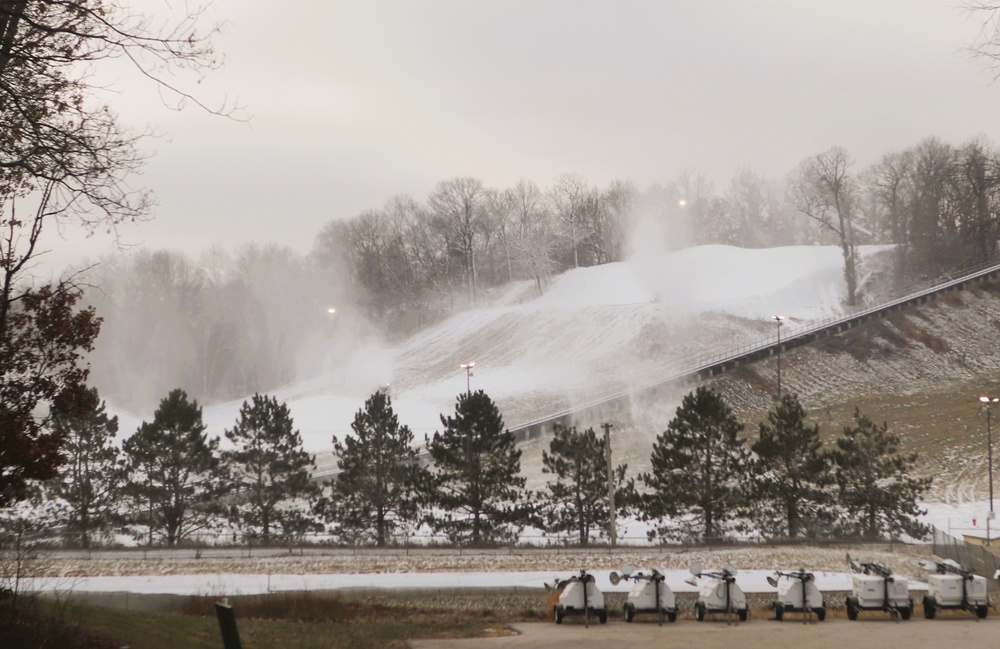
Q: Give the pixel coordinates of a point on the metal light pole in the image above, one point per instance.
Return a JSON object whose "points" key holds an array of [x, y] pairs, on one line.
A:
{"points": [[468, 374], [612, 528], [987, 402], [330, 355], [778, 319]]}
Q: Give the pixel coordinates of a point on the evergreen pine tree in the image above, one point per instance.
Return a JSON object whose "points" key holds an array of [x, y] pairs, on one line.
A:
{"points": [[577, 500], [269, 471], [792, 473], [876, 488], [478, 486], [376, 491], [698, 465], [173, 470], [90, 481]]}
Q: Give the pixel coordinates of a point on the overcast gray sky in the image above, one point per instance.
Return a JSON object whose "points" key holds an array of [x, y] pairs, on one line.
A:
{"points": [[353, 102]]}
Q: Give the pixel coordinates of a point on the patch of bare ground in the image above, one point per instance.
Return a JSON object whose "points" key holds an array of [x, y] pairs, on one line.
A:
{"points": [[921, 371]]}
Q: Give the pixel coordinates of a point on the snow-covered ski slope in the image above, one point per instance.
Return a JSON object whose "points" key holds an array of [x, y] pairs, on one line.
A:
{"points": [[591, 331]]}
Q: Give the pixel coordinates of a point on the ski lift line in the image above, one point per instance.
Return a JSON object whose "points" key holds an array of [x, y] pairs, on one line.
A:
{"points": [[704, 366]]}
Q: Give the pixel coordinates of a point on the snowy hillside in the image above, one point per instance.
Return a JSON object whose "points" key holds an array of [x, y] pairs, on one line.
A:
{"points": [[593, 330], [599, 330]]}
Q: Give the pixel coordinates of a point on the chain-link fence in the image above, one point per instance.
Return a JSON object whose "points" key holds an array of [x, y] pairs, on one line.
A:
{"points": [[978, 558], [208, 545]]}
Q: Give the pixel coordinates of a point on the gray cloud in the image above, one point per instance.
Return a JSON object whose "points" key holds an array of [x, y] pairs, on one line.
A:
{"points": [[353, 102]]}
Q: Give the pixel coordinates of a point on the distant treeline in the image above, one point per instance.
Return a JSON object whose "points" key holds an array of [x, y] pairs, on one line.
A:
{"points": [[237, 322]]}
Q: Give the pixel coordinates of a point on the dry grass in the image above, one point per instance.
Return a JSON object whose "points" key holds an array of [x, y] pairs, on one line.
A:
{"points": [[944, 426], [361, 626]]}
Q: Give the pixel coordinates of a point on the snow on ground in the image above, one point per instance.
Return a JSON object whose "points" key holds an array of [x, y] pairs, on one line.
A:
{"points": [[222, 572], [592, 330], [229, 585]]}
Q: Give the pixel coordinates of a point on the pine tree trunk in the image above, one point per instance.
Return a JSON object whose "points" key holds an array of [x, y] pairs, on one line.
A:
{"points": [[581, 528], [793, 519], [84, 524]]}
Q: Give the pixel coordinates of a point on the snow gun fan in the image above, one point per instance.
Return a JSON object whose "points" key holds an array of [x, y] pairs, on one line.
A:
{"points": [[875, 588], [953, 587], [649, 594], [718, 592], [797, 593], [578, 595]]}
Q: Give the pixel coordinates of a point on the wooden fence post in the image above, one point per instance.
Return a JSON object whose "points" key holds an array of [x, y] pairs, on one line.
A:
{"points": [[227, 624]]}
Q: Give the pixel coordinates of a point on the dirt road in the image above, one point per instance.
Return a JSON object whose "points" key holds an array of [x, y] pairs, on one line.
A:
{"points": [[951, 632]]}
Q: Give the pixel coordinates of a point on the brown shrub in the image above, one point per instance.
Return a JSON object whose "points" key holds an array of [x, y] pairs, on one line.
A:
{"points": [[749, 375], [951, 298]]}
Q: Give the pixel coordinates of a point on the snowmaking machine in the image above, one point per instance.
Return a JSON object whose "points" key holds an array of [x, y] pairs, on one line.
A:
{"points": [[797, 593], [717, 593], [579, 595], [649, 594], [875, 588], [953, 587]]}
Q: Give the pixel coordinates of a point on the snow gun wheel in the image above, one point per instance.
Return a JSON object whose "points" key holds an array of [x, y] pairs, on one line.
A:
{"points": [[629, 613], [820, 613], [602, 616], [742, 614], [558, 614], [928, 608], [906, 612], [852, 609], [779, 611], [981, 611], [671, 616], [699, 612]]}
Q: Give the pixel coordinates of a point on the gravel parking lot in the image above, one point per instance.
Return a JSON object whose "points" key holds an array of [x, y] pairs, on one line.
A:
{"points": [[954, 632]]}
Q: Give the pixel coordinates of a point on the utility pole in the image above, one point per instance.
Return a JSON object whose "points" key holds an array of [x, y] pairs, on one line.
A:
{"points": [[612, 531], [987, 402]]}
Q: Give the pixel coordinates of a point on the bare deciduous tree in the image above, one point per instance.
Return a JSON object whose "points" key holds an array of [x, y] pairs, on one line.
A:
{"points": [[929, 218], [63, 153], [986, 47], [459, 202], [823, 189], [533, 247], [568, 199]]}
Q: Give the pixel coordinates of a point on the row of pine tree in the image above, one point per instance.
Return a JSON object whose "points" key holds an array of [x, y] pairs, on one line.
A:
{"points": [[169, 482]]}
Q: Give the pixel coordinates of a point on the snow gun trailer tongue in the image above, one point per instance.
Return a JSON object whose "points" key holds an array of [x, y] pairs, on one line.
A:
{"points": [[718, 593], [579, 595], [875, 588], [649, 594], [797, 593], [953, 587]]}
